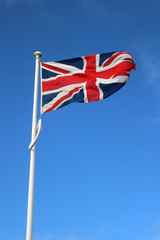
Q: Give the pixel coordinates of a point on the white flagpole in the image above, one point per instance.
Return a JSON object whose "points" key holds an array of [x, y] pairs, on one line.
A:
{"points": [[32, 156]]}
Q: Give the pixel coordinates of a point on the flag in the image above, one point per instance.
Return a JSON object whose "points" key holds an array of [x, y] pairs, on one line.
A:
{"points": [[85, 79]]}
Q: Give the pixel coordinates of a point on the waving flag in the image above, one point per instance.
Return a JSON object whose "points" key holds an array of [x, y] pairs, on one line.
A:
{"points": [[85, 79]]}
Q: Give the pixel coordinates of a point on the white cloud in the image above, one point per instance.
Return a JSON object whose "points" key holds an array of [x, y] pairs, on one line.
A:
{"points": [[98, 234], [72, 237], [44, 237], [150, 65], [148, 70], [156, 237]]}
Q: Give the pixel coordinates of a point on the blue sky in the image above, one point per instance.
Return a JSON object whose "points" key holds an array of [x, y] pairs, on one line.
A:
{"points": [[97, 164]]}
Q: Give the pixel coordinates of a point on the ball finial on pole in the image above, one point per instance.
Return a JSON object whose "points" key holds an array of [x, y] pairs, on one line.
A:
{"points": [[38, 54]]}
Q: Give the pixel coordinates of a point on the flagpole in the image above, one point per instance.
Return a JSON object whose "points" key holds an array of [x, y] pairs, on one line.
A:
{"points": [[32, 154]]}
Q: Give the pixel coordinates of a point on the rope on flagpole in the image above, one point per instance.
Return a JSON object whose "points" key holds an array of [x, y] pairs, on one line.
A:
{"points": [[38, 129]]}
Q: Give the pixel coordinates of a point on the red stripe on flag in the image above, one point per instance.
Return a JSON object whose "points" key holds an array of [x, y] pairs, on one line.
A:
{"points": [[119, 69], [69, 95], [113, 57], [63, 81], [51, 67], [93, 93]]}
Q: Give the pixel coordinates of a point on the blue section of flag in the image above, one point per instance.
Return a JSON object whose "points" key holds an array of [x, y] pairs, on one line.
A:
{"points": [[109, 89], [104, 56], [75, 62], [47, 74], [79, 97], [48, 98]]}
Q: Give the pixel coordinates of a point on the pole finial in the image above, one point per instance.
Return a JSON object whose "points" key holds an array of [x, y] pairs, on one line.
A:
{"points": [[38, 54]]}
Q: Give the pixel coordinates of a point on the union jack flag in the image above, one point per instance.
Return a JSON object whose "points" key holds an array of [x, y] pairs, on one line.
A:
{"points": [[85, 79]]}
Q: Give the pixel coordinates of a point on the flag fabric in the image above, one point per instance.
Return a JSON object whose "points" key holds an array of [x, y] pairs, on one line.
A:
{"points": [[85, 79]]}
